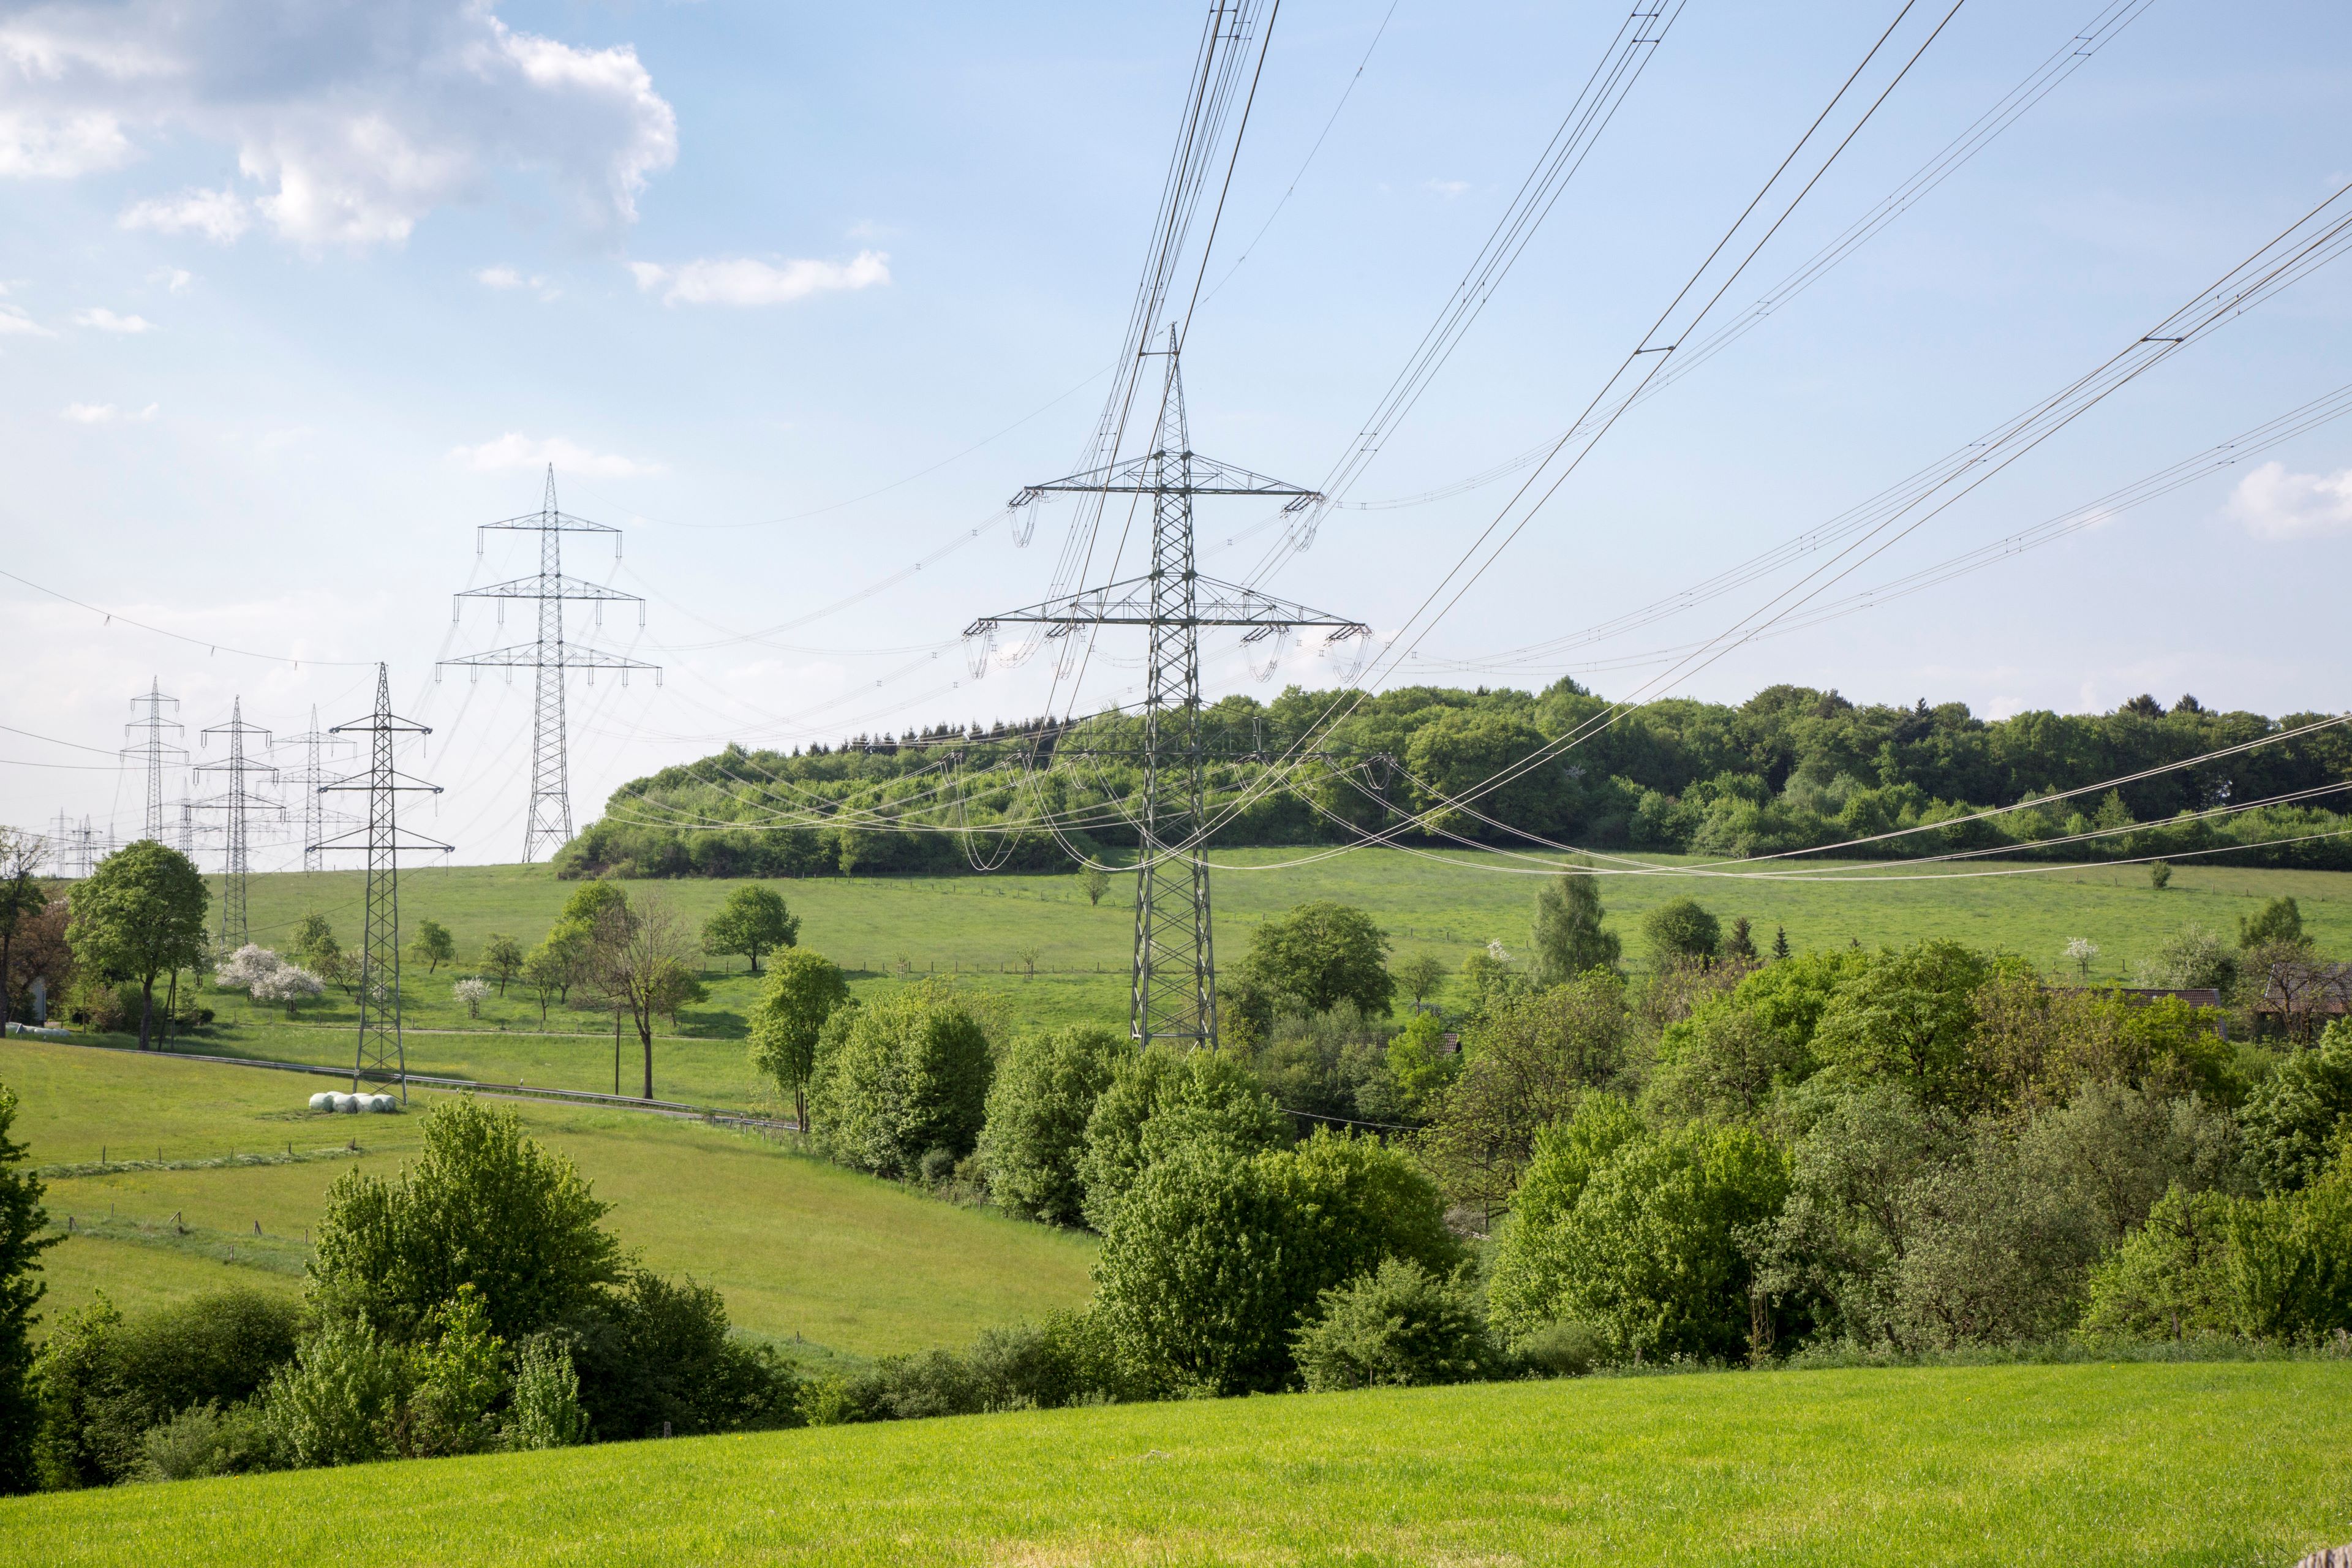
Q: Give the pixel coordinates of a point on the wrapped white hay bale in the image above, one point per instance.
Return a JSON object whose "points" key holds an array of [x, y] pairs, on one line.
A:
{"points": [[323, 1100], [382, 1104], [347, 1103]]}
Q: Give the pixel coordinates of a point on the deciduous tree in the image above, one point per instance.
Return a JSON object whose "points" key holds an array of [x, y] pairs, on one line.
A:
{"points": [[753, 920], [140, 914]]}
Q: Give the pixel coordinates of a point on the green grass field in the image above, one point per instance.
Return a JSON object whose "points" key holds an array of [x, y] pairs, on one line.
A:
{"points": [[1443, 904], [2081, 1466], [797, 1246]]}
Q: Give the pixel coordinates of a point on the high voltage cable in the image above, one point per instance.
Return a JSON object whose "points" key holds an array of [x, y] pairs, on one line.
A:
{"points": [[208, 643], [2298, 421], [2044, 79], [1605, 91]]}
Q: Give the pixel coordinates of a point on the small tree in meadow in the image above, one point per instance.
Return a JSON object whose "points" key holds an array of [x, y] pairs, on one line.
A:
{"points": [[502, 960], [473, 993], [753, 920], [1420, 974], [803, 991], [432, 946], [1094, 882]]}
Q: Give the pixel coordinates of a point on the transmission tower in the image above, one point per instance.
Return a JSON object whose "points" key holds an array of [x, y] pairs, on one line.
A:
{"points": [[381, 1055], [153, 751], [237, 804], [1173, 991], [548, 823], [311, 779]]}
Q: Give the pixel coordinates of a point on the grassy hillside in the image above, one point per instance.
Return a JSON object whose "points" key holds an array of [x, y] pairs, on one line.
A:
{"points": [[798, 1247], [1444, 904], [2078, 1465]]}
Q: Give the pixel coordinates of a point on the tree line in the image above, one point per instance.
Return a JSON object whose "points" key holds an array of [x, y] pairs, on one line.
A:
{"points": [[1792, 768]]}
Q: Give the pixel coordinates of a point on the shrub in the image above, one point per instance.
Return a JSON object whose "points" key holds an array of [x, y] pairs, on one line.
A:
{"points": [[1568, 937], [1044, 1090], [1212, 1257], [484, 1206], [1160, 1098], [1332, 1063], [23, 1222], [1680, 929], [458, 1376], [2171, 1279], [1639, 1236], [805, 990], [1397, 1327], [659, 1355], [2291, 1119], [340, 1402], [897, 1079], [1561, 1349], [1316, 956], [206, 1440], [545, 1412], [2000, 1256]]}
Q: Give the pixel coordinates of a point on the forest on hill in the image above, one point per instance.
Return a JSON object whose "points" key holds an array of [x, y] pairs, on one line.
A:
{"points": [[1792, 768]]}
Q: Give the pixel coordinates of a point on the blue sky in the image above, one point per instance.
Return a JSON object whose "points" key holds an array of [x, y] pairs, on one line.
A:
{"points": [[296, 296]]}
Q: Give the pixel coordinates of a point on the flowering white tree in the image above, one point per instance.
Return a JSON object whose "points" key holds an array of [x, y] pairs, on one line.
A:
{"points": [[2082, 950], [290, 983], [473, 993], [249, 966]]}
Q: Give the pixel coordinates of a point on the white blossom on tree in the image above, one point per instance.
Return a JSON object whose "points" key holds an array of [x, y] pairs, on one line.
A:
{"points": [[249, 966], [2082, 950], [290, 983], [473, 993]]}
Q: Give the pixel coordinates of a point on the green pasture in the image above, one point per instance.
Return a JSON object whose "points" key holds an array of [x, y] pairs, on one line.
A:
{"points": [[2083, 1465], [798, 1247], [993, 928]]}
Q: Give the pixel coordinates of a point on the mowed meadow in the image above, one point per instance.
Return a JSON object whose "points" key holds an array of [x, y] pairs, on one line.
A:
{"points": [[803, 1251], [1055, 958], [2085, 1465]]}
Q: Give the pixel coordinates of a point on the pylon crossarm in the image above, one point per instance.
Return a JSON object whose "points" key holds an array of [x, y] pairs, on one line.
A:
{"points": [[560, 586], [530, 656], [554, 522], [1151, 474], [1216, 603]]}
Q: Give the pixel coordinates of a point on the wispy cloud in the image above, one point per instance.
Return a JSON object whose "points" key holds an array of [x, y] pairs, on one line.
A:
{"points": [[15, 323], [175, 278], [514, 450], [106, 320], [1449, 189], [499, 277], [741, 280], [107, 414], [218, 216], [2271, 504]]}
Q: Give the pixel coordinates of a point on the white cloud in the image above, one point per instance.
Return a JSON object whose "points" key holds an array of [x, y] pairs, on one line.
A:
{"points": [[1449, 189], [354, 120], [513, 450], [107, 414], [15, 323], [2271, 504], [219, 215], [175, 278], [740, 280], [499, 277], [106, 320]]}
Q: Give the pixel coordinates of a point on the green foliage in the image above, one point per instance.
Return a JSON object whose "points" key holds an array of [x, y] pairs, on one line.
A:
{"points": [[656, 1355], [753, 920], [1526, 1062], [1318, 955], [545, 1412], [1044, 1091], [803, 991], [1907, 1017], [2281, 921], [1724, 1061], [106, 1381], [1399, 1326], [1638, 1236], [206, 1440], [1998, 1254], [1332, 1063], [1568, 936], [502, 960], [140, 914], [1789, 994], [1066, 1360], [1679, 930], [1210, 1262], [2159, 875], [2170, 1279], [460, 1372], [896, 1080], [2290, 1259], [340, 1403], [1419, 1067], [591, 902], [1741, 945], [484, 1208], [2293, 1117], [1159, 1099], [310, 932], [432, 945], [1420, 974], [23, 1239], [2036, 1045], [1094, 882], [2194, 957]]}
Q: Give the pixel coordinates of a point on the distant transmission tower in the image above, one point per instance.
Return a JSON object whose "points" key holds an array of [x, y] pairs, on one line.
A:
{"points": [[153, 751], [311, 779], [237, 804], [382, 1056], [548, 825], [1173, 991]]}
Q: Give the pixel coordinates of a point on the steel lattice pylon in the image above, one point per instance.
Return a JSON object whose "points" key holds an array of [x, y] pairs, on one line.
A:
{"points": [[235, 805], [1172, 993], [310, 778], [382, 1056], [153, 749], [548, 823]]}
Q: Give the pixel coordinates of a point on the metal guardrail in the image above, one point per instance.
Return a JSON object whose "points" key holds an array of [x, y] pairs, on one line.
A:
{"points": [[528, 1092]]}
